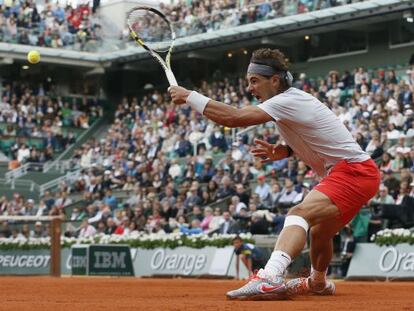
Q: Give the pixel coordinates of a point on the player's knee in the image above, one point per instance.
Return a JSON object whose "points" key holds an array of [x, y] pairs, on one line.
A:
{"points": [[296, 220], [299, 210], [315, 233], [307, 212]]}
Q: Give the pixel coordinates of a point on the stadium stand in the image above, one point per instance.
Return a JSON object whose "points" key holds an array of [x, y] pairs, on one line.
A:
{"points": [[50, 25], [61, 25], [164, 162], [46, 123]]}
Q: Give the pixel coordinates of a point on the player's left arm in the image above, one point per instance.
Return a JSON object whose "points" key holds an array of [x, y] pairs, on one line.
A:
{"points": [[223, 114]]}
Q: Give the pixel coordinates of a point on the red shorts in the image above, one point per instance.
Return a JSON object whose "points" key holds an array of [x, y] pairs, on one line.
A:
{"points": [[350, 186]]}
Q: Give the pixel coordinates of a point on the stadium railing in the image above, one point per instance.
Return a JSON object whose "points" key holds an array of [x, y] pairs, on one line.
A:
{"points": [[14, 182], [69, 178]]}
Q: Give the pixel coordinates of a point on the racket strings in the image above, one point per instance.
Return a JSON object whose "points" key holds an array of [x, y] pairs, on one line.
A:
{"points": [[151, 28]]}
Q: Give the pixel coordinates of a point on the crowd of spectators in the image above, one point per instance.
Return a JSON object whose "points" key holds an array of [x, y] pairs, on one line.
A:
{"points": [[29, 113], [191, 17], [177, 167], [50, 24], [61, 25]]}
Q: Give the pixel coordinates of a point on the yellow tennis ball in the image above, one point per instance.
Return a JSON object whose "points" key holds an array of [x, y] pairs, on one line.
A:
{"points": [[33, 57]]}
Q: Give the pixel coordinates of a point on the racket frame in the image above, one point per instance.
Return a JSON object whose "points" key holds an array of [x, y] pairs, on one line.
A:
{"points": [[165, 64]]}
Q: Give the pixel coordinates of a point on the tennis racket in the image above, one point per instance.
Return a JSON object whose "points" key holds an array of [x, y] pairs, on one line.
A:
{"points": [[152, 30]]}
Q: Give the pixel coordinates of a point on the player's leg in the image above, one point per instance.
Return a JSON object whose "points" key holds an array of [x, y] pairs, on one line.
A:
{"points": [[316, 208], [350, 186], [321, 247], [321, 250]]}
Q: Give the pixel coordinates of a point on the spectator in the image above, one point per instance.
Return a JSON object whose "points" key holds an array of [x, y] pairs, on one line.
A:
{"points": [[208, 217], [5, 230], [229, 225], [275, 194], [288, 193], [259, 224], [192, 199], [302, 194], [242, 194], [196, 214], [183, 147], [263, 189], [218, 141], [23, 153], [225, 188], [110, 226], [110, 199], [63, 200], [194, 229], [383, 196], [87, 230], [38, 231], [238, 206]]}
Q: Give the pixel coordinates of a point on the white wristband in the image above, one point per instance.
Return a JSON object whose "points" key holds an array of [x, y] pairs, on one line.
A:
{"points": [[197, 101]]}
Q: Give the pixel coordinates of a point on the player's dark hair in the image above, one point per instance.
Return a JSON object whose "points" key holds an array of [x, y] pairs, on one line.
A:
{"points": [[273, 58]]}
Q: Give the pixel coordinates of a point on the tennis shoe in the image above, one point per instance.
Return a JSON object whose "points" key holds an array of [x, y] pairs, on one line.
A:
{"points": [[304, 286], [260, 287]]}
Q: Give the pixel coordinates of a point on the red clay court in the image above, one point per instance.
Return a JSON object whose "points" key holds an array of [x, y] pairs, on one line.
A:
{"points": [[54, 294]]}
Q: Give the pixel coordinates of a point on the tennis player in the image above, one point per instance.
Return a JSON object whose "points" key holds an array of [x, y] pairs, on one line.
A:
{"points": [[313, 133]]}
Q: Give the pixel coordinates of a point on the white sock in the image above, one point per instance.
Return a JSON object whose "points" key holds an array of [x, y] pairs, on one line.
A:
{"points": [[318, 276], [277, 264]]}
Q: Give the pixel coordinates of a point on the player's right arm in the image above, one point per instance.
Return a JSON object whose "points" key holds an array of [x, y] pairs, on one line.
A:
{"points": [[223, 114], [230, 116]]}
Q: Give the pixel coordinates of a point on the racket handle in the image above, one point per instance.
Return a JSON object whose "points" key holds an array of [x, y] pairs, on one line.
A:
{"points": [[171, 77]]}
